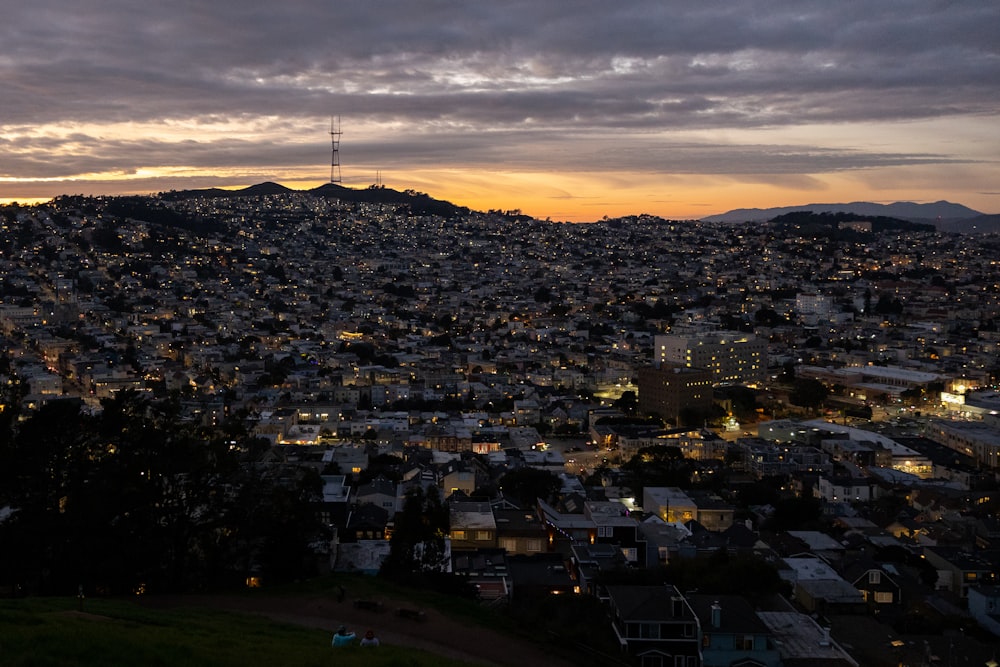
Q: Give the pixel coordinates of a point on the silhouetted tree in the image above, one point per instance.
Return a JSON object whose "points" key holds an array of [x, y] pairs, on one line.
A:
{"points": [[527, 485]]}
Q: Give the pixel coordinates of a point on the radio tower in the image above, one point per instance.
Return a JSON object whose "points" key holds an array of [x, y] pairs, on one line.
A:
{"points": [[335, 141]]}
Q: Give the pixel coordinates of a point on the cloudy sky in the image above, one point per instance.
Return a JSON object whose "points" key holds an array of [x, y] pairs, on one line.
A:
{"points": [[569, 109]]}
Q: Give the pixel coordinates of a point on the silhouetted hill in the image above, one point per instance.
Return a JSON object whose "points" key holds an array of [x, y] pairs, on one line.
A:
{"points": [[938, 211], [418, 202], [266, 188]]}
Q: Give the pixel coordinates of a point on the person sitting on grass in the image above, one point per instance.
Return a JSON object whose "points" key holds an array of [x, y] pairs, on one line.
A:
{"points": [[343, 637], [369, 640]]}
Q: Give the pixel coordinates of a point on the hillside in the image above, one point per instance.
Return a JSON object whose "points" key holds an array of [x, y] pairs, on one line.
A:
{"points": [[57, 631], [418, 203], [937, 211]]}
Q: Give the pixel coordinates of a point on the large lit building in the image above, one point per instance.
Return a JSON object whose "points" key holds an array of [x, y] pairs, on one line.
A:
{"points": [[731, 357]]}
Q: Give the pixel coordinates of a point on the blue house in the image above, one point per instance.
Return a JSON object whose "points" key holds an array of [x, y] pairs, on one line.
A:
{"points": [[731, 634]]}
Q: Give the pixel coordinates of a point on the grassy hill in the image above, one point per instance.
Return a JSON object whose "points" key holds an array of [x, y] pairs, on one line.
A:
{"points": [[43, 632]]}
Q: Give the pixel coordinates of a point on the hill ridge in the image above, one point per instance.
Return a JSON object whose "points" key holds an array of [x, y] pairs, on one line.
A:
{"points": [[940, 210]]}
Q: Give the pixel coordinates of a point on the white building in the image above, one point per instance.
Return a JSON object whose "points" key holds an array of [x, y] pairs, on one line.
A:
{"points": [[732, 357]]}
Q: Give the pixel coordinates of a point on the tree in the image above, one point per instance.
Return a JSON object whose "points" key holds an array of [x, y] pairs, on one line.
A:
{"points": [[527, 485], [627, 402], [417, 543], [137, 497], [808, 393]]}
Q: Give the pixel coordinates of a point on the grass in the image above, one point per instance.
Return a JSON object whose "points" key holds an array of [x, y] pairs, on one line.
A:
{"points": [[51, 632], [359, 586]]}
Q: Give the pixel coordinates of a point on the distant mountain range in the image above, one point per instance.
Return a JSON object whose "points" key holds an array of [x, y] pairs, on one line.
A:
{"points": [[418, 202], [945, 216]]}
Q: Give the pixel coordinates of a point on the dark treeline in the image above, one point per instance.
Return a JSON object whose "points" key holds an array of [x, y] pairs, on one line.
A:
{"points": [[827, 223], [134, 498]]}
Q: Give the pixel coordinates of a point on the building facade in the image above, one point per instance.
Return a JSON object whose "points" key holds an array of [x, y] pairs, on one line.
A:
{"points": [[731, 357]]}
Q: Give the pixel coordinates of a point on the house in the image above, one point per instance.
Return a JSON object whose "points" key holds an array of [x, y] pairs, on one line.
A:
{"points": [[802, 642], [566, 526], [486, 569], [655, 625], [665, 541], [380, 492], [589, 561], [616, 527], [539, 576], [818, 588], [347, 458], [365, 522], [472, 525], [334, 508], [672, 504], [984, 605], [520, 532], [817, 543], [959, 570], [731, 633], [876, 585]]}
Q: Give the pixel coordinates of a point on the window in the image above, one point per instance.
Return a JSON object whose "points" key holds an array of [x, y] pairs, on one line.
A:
{"points": [[483, 535], [744, 642], [883, 597], [689, 629], [534, 545], [458, 534], [875, 577], [508, 544], [649, 630], [604, 531]]}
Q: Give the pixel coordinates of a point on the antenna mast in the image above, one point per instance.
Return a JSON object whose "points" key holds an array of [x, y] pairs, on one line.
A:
{"points": [[335, 142]]}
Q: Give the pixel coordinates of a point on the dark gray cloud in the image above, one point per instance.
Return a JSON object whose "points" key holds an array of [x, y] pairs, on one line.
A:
{"points": [[524, 82]]}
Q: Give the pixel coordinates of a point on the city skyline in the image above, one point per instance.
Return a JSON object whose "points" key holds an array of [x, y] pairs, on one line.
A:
{"points": [[671, 109]]}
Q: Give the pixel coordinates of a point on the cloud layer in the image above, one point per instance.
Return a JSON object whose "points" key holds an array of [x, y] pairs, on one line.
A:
{"points": [[651, 86]]}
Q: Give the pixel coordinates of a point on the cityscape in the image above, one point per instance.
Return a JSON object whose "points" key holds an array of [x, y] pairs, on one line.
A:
{"points": [[744, 443], [445, 333]]}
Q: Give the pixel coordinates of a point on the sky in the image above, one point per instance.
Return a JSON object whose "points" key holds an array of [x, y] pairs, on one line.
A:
{"points": [[566, 109]]}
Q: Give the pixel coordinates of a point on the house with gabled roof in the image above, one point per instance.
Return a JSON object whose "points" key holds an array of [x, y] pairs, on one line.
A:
{"points": [[366, 522], [877, 585], [655, 625], [381, 492]]}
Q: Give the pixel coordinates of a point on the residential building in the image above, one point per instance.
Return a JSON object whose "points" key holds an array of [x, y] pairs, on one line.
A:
{"points": [[655, 625]]}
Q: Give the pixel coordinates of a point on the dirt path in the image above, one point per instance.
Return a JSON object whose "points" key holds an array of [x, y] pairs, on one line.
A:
{"points": [[435, 633]]}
